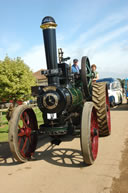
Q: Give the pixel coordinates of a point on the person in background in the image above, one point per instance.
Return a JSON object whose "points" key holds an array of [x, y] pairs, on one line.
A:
{"points": [[75, 67], [9, 112], [94, 72]]}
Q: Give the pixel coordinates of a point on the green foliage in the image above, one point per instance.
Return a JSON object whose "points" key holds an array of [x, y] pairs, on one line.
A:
{"points": [[16, 79], [122, 81], [4, 126]]}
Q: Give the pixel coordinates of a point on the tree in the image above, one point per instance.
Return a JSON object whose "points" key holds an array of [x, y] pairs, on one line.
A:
{"points": [[16, 80], [122, 81]]}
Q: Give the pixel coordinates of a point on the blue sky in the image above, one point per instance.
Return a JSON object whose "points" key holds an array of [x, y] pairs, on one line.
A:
{"points": [[98, 29]]}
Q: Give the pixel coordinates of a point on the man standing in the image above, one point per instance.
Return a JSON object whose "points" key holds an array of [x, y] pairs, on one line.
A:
{"points": [[75, 67]]}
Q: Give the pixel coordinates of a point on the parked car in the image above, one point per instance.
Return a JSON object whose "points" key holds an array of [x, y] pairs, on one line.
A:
{"points": [[114, 90], [126, 88]]}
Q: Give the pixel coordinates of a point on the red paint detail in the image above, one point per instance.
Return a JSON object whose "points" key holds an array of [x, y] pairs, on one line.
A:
{"points": [[21, 133], [19, 141], [94, 133], [108, 112], [23, 148], [24, 135]]}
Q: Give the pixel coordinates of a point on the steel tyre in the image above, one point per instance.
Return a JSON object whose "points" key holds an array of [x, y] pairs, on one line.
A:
{"points": [[23, 133], [89, 133]]}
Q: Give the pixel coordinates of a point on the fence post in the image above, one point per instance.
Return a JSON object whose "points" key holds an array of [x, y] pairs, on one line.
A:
{"points": [[0, 117]]}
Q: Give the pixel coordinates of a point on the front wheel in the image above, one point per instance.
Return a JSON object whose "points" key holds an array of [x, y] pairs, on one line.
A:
{"points": [[89, 133], [23, 133]]}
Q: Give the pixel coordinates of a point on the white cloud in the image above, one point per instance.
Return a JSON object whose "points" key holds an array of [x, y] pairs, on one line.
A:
{"points": [[111, 62], [105, 24], [99, 42], [35, 58]]}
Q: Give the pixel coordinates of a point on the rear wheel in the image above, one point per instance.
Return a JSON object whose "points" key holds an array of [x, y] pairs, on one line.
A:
{"points": [[89, 133], [23, 133], [113, 102], [101, 101]]}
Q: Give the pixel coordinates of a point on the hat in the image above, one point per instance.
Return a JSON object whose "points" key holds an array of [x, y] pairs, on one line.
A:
{"points": [[75, 60]]}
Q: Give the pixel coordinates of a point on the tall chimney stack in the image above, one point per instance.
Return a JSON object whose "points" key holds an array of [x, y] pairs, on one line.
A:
{"points": [[48, 26]]}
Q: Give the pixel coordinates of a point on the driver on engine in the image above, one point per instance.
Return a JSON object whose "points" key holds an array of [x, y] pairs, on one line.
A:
{"points": [[75, 67]]}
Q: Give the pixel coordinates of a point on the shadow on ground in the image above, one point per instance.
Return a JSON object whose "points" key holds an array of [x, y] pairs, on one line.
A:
{"points": [[64, 157], [5, 154], [122, 107], [6, 158]]}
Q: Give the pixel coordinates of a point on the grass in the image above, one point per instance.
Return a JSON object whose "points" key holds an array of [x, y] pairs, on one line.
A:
{"points": [[4, 127]]}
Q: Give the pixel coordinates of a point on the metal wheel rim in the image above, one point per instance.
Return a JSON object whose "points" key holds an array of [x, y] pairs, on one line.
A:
{"points": [[26, 139], [89, 133]]}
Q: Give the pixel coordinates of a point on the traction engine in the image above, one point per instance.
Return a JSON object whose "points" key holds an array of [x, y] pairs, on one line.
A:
{"points": [[71, 104]]}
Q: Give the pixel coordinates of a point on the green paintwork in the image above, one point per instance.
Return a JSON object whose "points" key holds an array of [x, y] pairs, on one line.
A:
{"points": [[77, 96]]}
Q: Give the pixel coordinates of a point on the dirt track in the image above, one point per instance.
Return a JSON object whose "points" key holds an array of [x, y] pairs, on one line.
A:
{"points": [[60, 169]]}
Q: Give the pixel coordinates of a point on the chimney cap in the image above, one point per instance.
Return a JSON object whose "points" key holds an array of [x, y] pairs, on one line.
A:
{"points": [[48, 19], [48, 22]]}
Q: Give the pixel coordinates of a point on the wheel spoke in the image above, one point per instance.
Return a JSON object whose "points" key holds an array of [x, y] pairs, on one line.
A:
{"points": [[89, 75], [22, 150], [88, 68], [24, 123], [21, 133], [90, 83], [86, 76], [19, 141], [27, 117], [30, 139]]}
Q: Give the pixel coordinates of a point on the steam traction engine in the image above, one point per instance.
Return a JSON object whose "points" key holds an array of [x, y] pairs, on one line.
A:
{"points": [[70, 105]]}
